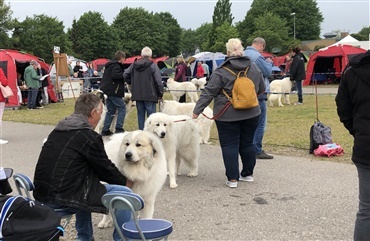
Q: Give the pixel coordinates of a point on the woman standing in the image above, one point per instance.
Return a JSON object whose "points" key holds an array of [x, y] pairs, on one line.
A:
{"points": [[180, 75], [235, 127], [4, 82]]}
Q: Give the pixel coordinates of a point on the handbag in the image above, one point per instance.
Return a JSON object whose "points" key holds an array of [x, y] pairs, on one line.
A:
{"points": [[6, 91]]}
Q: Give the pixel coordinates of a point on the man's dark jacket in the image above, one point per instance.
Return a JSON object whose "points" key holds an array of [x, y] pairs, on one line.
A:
{"points": [[112, 83], [71, 165], [353, 105], [297, 69], [145, 79]]}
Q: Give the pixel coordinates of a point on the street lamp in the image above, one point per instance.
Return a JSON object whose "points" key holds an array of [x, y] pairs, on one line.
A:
{"points": [[293, 14]]}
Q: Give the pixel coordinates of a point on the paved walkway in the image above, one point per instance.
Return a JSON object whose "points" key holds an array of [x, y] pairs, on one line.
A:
{"points": [[291, 199]]}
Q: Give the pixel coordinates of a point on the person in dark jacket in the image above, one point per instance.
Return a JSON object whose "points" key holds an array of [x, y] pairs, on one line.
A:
{"points": [[298, 72], [72, 164], [180, 74], [113, 85], [235, 127], [353, 104], [145, 79]]}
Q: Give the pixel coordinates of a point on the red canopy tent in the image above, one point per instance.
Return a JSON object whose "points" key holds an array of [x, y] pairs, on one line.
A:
{"points": [[329, 63], [98, 64], [13, 62], [131, 59]]}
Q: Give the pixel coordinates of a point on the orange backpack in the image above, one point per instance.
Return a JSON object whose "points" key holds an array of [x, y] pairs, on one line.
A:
{"points": [[243, 95]]}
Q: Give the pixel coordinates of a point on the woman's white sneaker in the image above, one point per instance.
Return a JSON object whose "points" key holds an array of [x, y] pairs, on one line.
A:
{"points": [[2, 142], [246, 179], [231, 184]]}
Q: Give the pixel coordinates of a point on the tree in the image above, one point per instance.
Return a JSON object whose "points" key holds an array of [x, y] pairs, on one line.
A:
{"points": [[363, 35], [6, 25], [274, 31], [223, 34], [137, 28], [307, 17], [92, 37], [172, 30], [39, 34], [221, 14]]}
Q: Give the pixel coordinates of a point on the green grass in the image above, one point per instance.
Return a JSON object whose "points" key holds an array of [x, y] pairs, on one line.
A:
{"points": [[287, 128]]}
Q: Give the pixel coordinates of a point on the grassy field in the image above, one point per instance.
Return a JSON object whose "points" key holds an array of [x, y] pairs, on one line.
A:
{"points": [[287, 128]]}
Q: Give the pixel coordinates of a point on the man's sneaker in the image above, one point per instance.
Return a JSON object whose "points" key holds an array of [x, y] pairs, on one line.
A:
{"points": [[246, 179], [119, 131], [231, 184], [106, 133], [263, 155], [2, 142], [298, 103]]}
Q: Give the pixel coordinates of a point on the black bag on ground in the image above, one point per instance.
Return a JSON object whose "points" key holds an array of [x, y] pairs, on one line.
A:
{"points": [[22, 219], [320, 134]]}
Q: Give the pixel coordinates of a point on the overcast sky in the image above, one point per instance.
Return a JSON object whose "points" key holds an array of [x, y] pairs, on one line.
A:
{"points": [[349, 15]]}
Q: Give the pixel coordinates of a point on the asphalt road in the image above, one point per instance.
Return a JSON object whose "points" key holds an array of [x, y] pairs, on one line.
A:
{"points": [[291, 198]]}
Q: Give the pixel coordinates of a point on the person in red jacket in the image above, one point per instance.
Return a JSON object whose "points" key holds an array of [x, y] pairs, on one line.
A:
{"points": [[4, 82], [200, 70]]}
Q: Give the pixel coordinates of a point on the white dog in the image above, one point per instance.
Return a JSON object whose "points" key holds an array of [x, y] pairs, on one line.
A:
{"points": [[280, 86], [172, 107], [178, 89], [140, 156], [199, 83], [180, 137], [130, 105]]}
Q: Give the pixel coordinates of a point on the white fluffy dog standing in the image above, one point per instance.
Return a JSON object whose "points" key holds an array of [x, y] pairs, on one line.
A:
{"points": [[178, 89], [140, 156], [280, 86], [180, 137], [199, 83], [172, 107]]}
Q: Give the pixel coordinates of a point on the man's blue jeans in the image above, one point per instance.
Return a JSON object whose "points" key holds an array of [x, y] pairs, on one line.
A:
{"points": [[236, 137], [261, 127], [298, 84], [115, 104], [32, 97], [83, 224], [362, 225], [144, 107]]}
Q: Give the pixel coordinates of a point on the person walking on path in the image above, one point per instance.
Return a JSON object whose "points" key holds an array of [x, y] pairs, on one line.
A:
{"points": [[235, 127], [254, 53], [145, 79], [353, 104], [113, 85]]}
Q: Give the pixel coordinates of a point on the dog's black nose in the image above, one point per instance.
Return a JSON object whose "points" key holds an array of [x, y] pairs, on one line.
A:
{"points": [[163, 134], [128, 155]]}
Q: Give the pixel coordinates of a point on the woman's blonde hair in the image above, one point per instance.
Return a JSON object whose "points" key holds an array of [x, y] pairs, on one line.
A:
{"points": [[234, 47]]}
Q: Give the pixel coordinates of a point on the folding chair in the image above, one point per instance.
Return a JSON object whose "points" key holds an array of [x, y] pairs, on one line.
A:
{"points": [[136, 229], [23, 182]]}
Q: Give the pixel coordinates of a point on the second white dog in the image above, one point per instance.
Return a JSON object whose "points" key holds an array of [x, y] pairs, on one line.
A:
{"points": [[172, 107], [279, 87], [178, 89], [180, 137]]}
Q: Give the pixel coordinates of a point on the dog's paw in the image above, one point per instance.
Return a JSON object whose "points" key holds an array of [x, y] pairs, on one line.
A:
{"points": [[103, 225], [281, 105], [173, 184], [192, 174]]}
